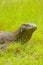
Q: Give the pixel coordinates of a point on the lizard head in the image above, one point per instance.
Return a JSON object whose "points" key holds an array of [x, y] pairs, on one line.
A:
{"points": [[28, 27], [26, 31]]}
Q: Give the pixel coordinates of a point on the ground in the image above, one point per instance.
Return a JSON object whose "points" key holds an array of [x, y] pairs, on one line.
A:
{"points": [[13, 13]]}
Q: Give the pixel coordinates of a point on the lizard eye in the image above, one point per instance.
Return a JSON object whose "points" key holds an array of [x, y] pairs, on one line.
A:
{"points": [[32, 25]]}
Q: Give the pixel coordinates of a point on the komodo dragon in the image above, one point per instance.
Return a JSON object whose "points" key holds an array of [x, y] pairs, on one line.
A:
{"points": [[23, 34]]}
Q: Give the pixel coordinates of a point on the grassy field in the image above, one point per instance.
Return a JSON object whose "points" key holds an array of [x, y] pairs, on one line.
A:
{"points": [[13, 13]]}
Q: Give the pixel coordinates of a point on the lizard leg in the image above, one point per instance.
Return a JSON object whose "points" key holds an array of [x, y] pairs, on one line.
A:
{"points": [[3, 47]]}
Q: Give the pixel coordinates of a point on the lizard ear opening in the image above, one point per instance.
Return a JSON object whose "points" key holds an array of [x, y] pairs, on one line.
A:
{"points": [[21, 29]]}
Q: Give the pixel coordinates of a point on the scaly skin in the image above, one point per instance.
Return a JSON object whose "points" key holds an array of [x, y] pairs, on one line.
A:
{"points": [[23, 34]]}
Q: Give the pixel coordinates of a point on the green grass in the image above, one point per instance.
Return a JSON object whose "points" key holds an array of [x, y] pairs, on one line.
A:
{"points": [[13, 13]]}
